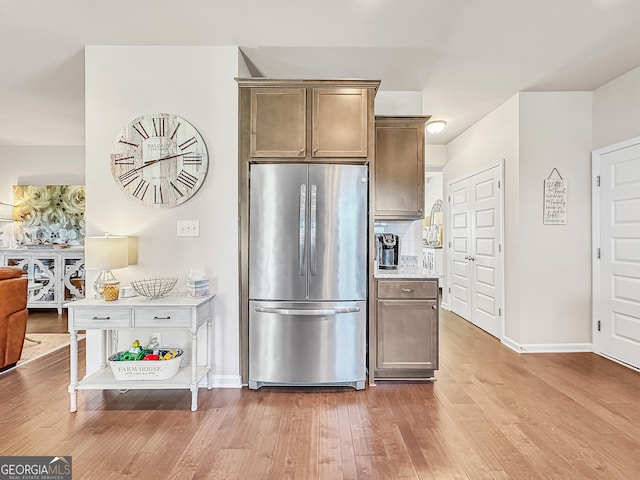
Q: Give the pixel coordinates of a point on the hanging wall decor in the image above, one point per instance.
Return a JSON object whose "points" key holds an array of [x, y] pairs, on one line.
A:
{"points": [[49, 215], [555, 200]]}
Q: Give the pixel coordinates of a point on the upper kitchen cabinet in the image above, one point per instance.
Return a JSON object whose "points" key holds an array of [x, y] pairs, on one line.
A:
{"points": [[308, 120], [339, 122], [399, 167], [278, 122]]}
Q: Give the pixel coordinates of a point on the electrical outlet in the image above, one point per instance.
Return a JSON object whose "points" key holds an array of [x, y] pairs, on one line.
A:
{"points": [[188, 228], [158, 338]]}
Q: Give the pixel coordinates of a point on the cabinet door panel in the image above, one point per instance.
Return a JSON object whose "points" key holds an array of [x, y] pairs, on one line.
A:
{"points": [[278, 122], [339, 122], [399, 170], [407, 335]]}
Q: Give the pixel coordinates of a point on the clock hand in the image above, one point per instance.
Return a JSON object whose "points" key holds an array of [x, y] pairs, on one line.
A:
{"points": [[151, 162]]}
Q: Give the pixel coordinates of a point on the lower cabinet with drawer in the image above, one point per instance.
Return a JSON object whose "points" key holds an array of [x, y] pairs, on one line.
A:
{"points": [[168, 313], [406, 345]]}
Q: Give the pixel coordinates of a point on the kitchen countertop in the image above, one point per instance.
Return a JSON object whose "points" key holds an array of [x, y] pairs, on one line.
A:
{"points": [[419, 273]]}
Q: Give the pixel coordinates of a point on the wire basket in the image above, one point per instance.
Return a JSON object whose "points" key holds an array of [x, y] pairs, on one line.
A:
{"points": [[154, 287]]}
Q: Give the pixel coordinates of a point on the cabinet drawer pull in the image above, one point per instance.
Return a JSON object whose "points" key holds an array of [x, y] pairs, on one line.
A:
{"points": [[434, 307], [407, 290], [101, 318], [168, 317]]}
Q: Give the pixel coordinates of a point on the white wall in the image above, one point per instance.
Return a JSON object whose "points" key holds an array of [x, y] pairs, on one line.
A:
{"points": [[41, 165], [398, 103], [547, 268], [492, 139], [616, 109], [198, 84], [435, 156], [555, 263], [434, 190]]}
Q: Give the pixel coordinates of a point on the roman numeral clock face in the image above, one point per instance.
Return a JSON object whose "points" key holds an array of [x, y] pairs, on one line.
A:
{"points": [[159, 160]]}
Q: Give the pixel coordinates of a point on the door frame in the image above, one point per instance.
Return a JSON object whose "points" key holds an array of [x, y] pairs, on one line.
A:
{"points": [[595, 242], [448, 220]]}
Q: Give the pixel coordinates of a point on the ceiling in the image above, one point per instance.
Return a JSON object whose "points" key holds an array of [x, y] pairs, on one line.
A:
{"points": [[466, 56]]}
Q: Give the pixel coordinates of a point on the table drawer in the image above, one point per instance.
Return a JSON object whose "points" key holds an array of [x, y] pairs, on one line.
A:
{"points": [[162, 318], [107, 319], [407, 289]]}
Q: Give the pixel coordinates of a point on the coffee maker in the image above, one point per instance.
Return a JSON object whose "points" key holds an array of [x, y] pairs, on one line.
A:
{"points": [[387, 250]]}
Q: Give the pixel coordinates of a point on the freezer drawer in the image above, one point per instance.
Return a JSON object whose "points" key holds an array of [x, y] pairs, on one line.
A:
{"points": [[298, 343]]}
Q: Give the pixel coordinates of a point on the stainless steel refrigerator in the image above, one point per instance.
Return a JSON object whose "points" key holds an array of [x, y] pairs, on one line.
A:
{"points": [[307, 274]]}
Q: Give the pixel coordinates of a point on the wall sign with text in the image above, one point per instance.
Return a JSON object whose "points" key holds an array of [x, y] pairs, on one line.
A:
{"points": [[555, 200]]}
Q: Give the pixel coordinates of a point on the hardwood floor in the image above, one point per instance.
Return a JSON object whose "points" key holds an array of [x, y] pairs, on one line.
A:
{"points": [[46, 320], [492, 414]]}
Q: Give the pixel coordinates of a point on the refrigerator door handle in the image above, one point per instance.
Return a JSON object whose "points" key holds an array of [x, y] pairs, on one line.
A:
{"points": [[302, 229], [314, 216], [307, 312]]}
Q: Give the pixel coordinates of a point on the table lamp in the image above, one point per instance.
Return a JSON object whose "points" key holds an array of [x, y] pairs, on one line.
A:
{"points": [[105, 253], [6, 215]]}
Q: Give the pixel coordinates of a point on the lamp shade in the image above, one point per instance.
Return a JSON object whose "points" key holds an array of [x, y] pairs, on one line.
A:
{"points": [[437, 218], [6, 212], [106, 253]]}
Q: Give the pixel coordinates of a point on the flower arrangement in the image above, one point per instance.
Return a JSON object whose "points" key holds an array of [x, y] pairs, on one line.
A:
{"points": [[49, 214]]}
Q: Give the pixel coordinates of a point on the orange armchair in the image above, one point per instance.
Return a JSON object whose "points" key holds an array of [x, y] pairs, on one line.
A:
{"points": [[13, 315]]}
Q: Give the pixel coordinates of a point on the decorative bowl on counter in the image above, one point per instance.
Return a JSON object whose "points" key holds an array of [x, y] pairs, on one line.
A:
{"points": [[154, 287]]}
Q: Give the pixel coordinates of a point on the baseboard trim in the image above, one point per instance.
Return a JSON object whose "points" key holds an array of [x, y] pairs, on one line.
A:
{"points": [[547, 347], [620, 362], [227, 381]]}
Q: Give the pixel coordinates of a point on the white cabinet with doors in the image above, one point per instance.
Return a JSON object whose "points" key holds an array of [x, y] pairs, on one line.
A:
{"points": [[475, 267], [56, 275]]}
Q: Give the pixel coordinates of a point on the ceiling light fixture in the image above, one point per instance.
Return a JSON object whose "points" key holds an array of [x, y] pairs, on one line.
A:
{"points": [[436, 126]]}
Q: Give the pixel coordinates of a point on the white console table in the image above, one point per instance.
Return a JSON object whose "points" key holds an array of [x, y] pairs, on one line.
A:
{"points": [[167, 313]]}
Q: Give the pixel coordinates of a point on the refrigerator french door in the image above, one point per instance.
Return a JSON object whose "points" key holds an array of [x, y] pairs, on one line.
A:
{"points": [[307, 274]]}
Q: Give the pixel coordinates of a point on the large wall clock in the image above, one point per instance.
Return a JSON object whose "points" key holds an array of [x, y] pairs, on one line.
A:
{"points": [[159, 160]]}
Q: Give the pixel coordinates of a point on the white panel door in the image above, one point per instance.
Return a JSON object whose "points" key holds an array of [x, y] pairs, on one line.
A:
{"points": [[475, 266], [459, 245], [619, 241], [485, 262]]}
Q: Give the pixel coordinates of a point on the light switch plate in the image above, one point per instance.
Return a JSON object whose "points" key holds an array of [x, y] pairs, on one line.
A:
{"points": [[188, 228]]}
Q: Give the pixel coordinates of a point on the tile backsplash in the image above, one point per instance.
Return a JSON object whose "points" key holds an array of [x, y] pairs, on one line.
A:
{"points": [[409, 235]]}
